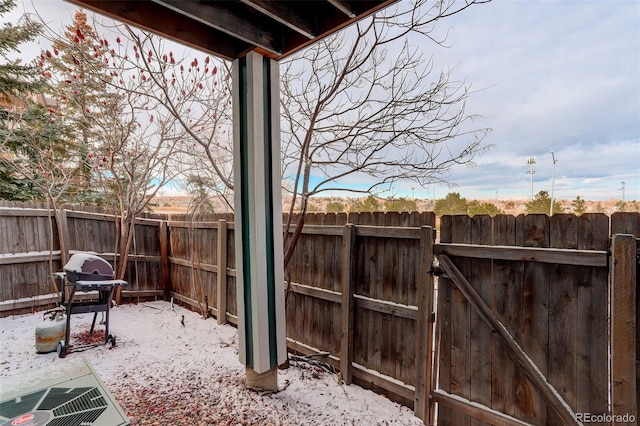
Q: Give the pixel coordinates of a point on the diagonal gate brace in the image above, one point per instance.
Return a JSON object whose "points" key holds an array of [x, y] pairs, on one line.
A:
{"points": [[547, 391]]}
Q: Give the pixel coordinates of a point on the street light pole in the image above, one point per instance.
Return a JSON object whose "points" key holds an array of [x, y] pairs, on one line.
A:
{"points": [[623, 184], [553, 182], [531, 161]]}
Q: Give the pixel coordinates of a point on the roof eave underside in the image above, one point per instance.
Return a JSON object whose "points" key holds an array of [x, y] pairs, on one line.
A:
{"points": [[230, 29]]}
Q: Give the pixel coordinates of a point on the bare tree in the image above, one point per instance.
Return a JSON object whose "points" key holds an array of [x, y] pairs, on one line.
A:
{"points": [[196, 93], [365, 103], [133, 139]]}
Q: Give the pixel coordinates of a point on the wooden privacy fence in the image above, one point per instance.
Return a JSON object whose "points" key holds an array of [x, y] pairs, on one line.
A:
{"points": [[354, 292], [30, 252], [515, 296], [524, 327]]}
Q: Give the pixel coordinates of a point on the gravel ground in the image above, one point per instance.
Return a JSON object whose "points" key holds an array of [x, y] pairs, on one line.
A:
{"points": [[164, 373]]}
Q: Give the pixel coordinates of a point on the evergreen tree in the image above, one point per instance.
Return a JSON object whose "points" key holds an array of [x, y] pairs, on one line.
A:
{"points": [[621, 206], [76, 69], [451, 204], [335, 207], [477, 208], [541, 204], [16, 78], [369, 204], [17, 82], [579, 206], [401, 204]]}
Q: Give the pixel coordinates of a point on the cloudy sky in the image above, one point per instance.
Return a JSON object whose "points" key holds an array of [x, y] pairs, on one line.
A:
{"points": [[560, 76]]}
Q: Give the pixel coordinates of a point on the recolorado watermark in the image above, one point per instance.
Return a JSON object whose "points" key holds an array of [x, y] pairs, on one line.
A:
{"points": [[605, 418]]}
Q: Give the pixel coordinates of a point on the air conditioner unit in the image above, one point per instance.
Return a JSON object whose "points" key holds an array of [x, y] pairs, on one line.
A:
{"points": [[67, 393]]}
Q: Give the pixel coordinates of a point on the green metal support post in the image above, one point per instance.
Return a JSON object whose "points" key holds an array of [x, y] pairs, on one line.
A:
{"points": [[258, 223]]}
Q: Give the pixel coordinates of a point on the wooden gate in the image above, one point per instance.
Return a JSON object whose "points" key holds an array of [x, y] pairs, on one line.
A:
{"points": [[523, 325]]}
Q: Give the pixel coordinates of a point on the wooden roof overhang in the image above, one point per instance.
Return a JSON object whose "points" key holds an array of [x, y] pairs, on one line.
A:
{"points": [[231, 28]]}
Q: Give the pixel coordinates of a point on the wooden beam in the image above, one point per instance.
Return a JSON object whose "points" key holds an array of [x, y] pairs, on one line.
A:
{"points": [[12, 259], [30, 302], [130, 294], [23, 212], [393, 386], [388, 232], [284, 13], [223, 17], [386, 307], [189, 264], [318, 293], [160, 20], [475, 410], [343, 7], [525, 254], [547, 391]]}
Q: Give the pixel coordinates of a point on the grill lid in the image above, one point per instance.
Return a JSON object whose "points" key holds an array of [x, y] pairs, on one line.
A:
{"points": [[85, 266]]}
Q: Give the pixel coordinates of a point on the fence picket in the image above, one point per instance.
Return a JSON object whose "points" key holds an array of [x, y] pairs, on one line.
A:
{"points": [[623, 326]]}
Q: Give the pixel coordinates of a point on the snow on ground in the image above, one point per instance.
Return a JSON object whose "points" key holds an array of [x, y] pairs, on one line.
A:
{"points": [[164, 373]]}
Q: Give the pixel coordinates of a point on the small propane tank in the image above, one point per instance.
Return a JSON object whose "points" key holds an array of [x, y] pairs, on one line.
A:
{"points": [[50, 332]]}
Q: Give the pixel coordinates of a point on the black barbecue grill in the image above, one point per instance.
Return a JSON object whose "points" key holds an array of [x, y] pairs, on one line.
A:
{"points": [[86, 272]]}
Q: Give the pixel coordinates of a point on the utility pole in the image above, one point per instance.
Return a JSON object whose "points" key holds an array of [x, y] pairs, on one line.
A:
{"points": [[531, 161], [553, 182], [623, 184]]}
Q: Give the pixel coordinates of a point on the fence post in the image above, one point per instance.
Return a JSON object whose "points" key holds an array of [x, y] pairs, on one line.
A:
{"points": [[623, 325], [424, 328], [221, 289], [64, 238], [164, 259], [347, 314]]}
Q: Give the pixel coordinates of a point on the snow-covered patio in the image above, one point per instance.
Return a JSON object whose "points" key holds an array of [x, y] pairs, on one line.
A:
{"points": [[165, 373]]}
